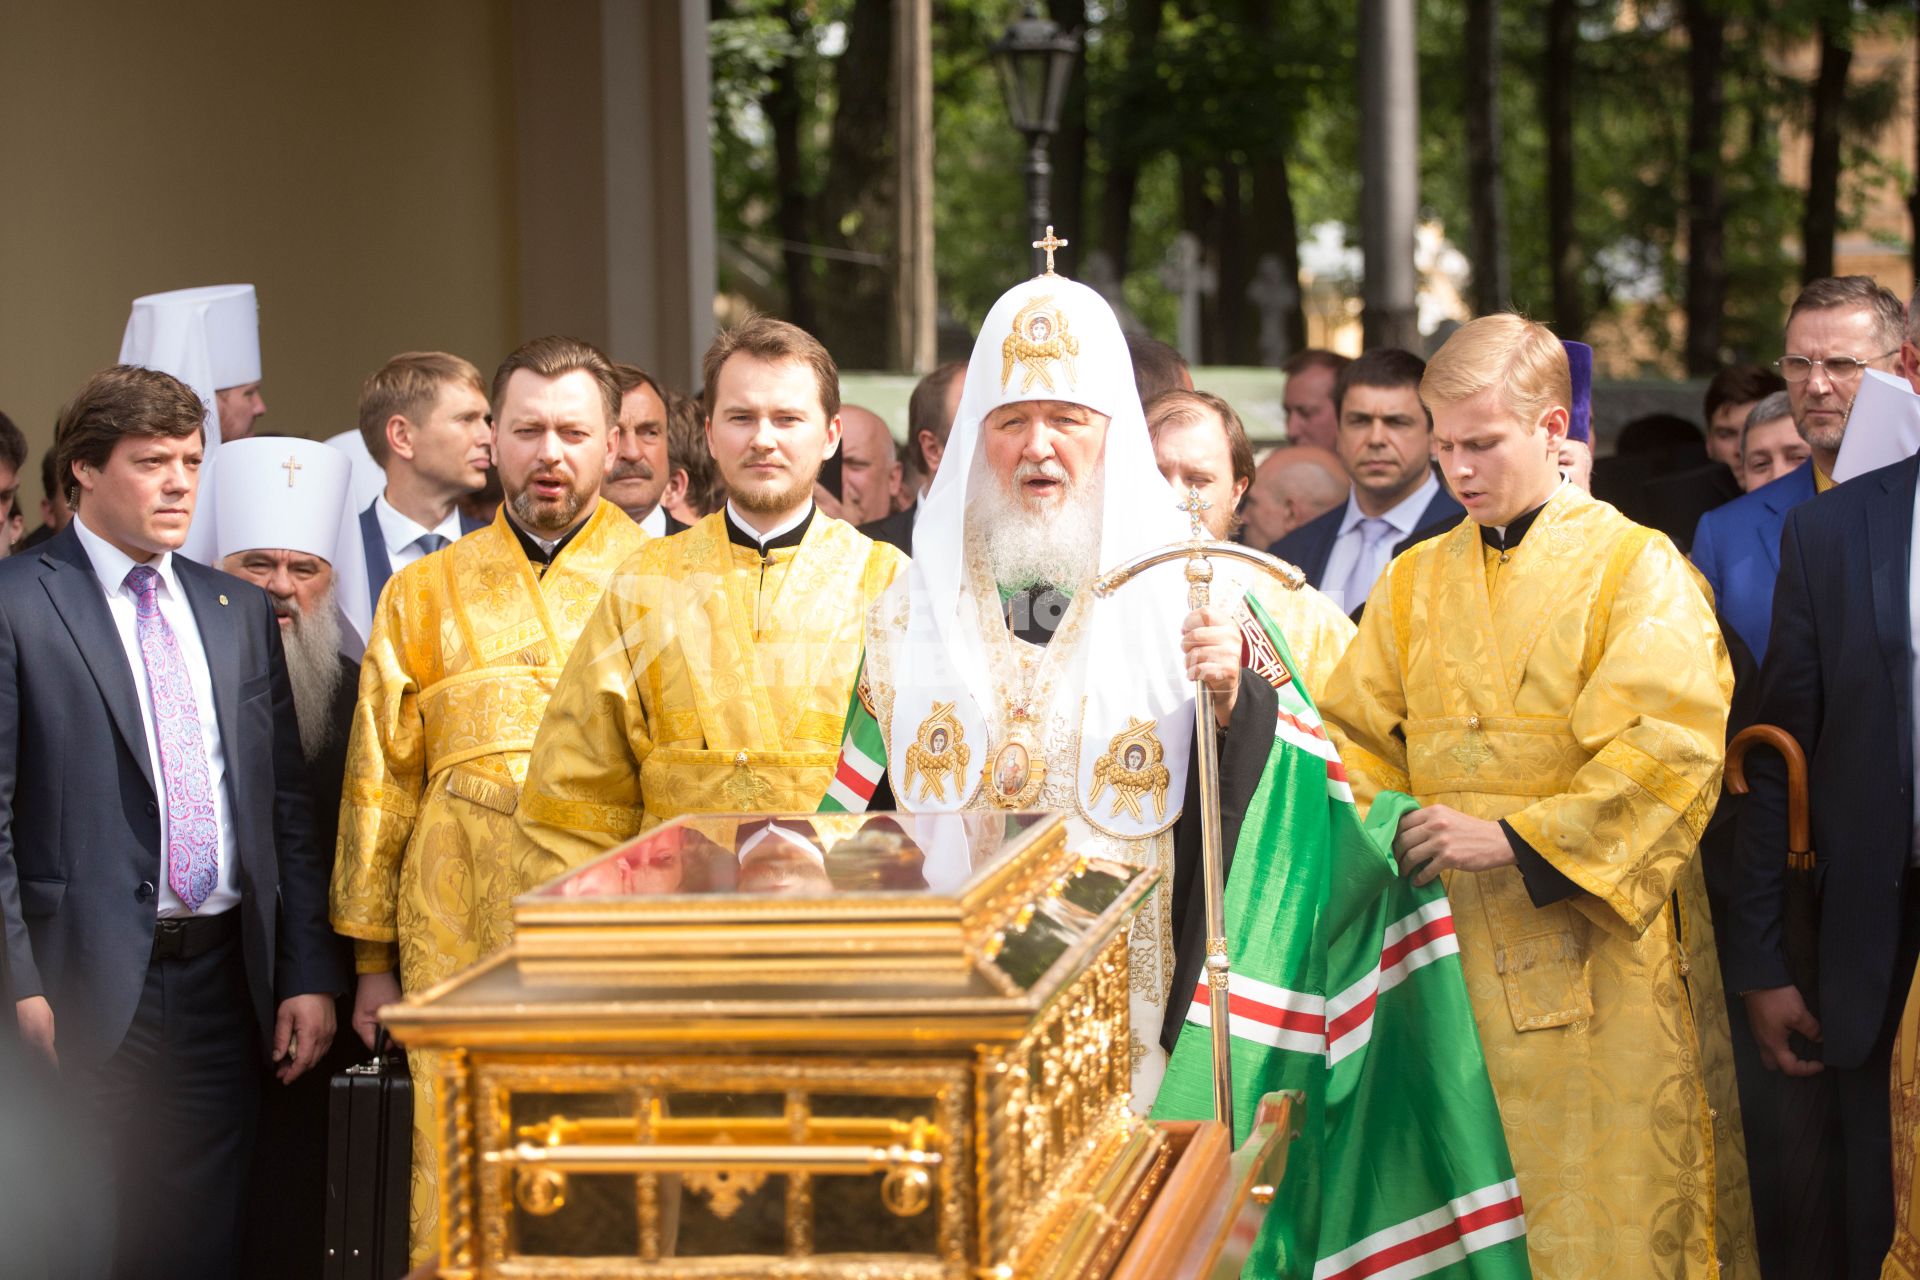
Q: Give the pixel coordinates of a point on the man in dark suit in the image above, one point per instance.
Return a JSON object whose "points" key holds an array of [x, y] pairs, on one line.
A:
{"points": [[1383, 436], [1837, 328], [931, 409], [424, 418], [162, 899], [1838, 676], [638, 476]]}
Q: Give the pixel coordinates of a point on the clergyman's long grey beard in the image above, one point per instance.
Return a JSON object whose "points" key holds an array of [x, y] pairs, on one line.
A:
{"points": [[1059, 546], [313, 667]]}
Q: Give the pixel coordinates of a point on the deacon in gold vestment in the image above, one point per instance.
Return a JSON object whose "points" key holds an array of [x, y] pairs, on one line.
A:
{"points": [[466, 647], [1547, 679], [716, 673]]}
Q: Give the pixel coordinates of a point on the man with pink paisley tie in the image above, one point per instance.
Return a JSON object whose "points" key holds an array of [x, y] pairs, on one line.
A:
{"points": [[161, 895]]}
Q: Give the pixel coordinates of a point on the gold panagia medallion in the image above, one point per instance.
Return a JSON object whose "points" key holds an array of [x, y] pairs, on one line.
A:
{"points": [[1133, 766], [1015, 768], [937, 753], [1039, 338]]}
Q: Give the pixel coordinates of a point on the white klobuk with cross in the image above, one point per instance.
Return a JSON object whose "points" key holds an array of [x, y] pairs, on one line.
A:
{"points": [[283, 493]]}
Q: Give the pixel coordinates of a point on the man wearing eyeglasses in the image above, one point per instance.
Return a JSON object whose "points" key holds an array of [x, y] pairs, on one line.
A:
{"points": [[1837, 328]]}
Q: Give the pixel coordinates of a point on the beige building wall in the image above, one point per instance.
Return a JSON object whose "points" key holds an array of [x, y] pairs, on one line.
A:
{"points": [[354, 160]]}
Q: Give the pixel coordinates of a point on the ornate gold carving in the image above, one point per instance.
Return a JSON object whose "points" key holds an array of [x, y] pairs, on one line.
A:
{"points": [[1133, 766], [938, 752], [724, 1189], [1039, 338]]}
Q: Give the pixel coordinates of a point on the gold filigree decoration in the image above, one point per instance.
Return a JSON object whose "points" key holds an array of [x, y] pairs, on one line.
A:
{"points": [[938, 752], [1133, 766], [724, 1189]]}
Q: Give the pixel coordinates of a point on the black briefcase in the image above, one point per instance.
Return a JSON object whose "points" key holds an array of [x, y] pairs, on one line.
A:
{"points": [[369, 1167]]}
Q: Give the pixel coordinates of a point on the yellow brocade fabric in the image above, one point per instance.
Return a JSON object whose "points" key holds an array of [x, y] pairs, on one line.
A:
{"points": [[710, 680], [1903, 1260], [1577, 688], [466, 647]]}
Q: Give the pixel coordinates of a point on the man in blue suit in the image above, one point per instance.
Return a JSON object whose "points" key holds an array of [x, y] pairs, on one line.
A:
{"points": [[1838, 327], [1383, 436], [1839, 678], [162, 898], [424, 418]]}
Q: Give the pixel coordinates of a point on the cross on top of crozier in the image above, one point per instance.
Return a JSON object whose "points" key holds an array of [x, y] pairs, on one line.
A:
{"points": [[1048, 244], [1193, 504], [291, 465]]}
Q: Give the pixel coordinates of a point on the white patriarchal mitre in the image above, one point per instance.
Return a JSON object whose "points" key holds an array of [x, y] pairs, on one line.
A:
{"points": [[290, 494], [209, 338]]}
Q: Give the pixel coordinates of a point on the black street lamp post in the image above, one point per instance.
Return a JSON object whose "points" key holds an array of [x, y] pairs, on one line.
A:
{"points": [[1035, 59]]}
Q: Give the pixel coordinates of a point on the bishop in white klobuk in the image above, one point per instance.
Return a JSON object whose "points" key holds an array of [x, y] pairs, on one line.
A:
{"points": [[209, 338], [999, 681], [281, 519]]}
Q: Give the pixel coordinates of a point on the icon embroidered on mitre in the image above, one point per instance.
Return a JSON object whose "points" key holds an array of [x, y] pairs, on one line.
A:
{"points": [[1039, 338], [1133, 766], [938, 752]]}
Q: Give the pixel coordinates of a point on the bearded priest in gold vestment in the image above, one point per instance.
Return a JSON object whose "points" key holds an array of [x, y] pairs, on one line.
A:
{"points": [[716, 673], [1548, 679], [466, 646]]}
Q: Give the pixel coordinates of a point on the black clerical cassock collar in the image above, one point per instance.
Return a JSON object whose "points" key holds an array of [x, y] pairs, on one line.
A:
{"points": [[1034, 613], [1505, 540], [740, 534], [540, 552]]}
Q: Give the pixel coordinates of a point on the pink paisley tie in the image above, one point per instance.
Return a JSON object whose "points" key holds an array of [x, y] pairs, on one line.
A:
{"points": [[193, 835]]}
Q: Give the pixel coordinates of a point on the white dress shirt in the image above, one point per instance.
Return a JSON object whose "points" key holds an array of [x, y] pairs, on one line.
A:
{"points": [[111, 566], [402, 533], [656, 521], [1349, 542]]}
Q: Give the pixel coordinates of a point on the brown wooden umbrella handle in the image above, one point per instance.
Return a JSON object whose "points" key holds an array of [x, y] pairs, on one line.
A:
{"points": [[1799, 832]]}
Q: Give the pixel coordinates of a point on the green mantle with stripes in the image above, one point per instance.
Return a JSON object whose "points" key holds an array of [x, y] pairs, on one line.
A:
{"points": [[1347, 988]]}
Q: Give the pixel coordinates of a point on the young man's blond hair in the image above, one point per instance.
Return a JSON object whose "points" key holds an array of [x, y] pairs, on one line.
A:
{"points": [[1514, 355]]}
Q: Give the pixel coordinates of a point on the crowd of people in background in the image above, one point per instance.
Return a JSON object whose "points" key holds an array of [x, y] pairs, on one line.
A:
{"points": [[1807, 594]]}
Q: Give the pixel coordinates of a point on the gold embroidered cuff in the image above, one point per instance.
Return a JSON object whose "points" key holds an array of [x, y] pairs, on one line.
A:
{"points": [[580, 815]]}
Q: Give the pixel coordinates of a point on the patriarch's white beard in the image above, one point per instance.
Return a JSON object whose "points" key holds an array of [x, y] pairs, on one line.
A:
{"points": [[1057, 544]]}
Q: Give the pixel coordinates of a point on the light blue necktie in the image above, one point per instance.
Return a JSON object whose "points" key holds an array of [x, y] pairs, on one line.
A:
{"points": [[1366, 565]]}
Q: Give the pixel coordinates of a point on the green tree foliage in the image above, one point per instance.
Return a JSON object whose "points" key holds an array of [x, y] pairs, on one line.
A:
{"points": [[1188, 99]]}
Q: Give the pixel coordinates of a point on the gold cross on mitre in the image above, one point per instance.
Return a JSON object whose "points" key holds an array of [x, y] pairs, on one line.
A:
{"points": [[1193, 504], [291, 465], [1049, 244]]}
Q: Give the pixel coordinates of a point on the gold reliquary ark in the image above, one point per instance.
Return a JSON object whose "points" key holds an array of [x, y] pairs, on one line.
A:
{"points": [[838, 1045]]}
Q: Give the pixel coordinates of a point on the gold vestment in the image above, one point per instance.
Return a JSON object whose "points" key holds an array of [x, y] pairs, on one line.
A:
{"points": [[1903, 1087], [466, 647], [1576, 687], [710, 680]]}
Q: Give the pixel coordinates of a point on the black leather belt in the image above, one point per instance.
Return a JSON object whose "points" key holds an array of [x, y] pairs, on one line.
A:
{"points": [[184, 937]]}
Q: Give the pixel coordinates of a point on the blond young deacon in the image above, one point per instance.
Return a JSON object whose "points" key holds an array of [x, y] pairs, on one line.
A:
{"points": [[1547, 679]]}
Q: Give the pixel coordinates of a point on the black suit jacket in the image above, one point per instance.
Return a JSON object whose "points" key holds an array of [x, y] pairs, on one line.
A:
{"points": [[1674, 504], [1311, 545], [373, 543], [80, 848], [1836, 677], [895, 530]]}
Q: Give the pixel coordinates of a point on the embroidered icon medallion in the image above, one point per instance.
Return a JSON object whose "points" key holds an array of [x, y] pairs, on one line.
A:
{"points": [[938, 752], [1038, 339], [1133, 767]]}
